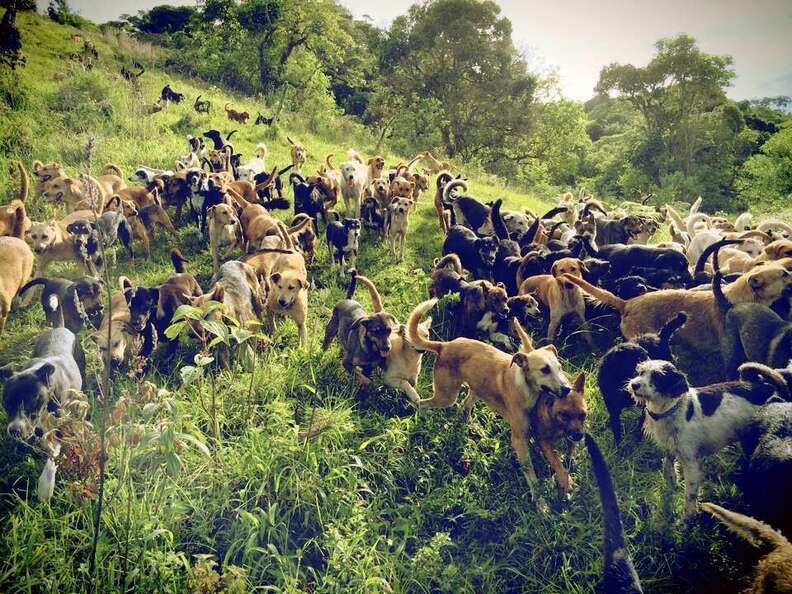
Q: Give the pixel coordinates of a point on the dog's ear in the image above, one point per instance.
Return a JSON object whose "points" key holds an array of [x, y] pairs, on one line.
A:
{"points": [[219, 292], [580, 383], [583, 266], [275, 277], [520, 359], [45, 372], [552, 349], [554, 268], [7, 370], [501, 286]]}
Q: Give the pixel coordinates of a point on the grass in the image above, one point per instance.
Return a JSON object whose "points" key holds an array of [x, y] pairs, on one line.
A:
{"points": [[381, 500]]}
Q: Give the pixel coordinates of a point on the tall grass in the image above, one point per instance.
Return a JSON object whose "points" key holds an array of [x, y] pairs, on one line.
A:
{"points": [[307, 483]]}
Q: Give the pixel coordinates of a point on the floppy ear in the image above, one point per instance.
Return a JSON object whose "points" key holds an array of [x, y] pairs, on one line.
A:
{"points": [[554, 269], [580, 382], [583, 267], [219, 292], [305, 284], [275, 277], [520, 359], [45, 372]]}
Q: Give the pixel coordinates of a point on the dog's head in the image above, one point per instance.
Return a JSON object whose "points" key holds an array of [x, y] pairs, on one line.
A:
{"points": [[420, 182], [751, 246], [378, 328], [632, 225], [770, 280], [90, 292], [141, 301], [587, 226], [570, 266], [532, 264], [401, 186], [628, 287], [400, 207], [115, 346], [658, 382], [141, 175], [222, 215], [285, 286], [41, 236], [515, 222], [196, 180], [377, 164], [349, 173], [218, 159], [496, 299], [487, 250], [780, 248], [542, 371], [44, 172], [352, 229], [298, 152], [569, 412], [81, 227], [26, 395], [523, 307], [62, 189], [379, 189]]}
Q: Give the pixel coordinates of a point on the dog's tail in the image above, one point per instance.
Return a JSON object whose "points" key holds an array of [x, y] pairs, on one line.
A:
{"points": [[418, 341], [24, 187], [225, 107], [450, 260], [709, 251], [353, 155], [350, 294], [333, 216], [295, 176], [721, 300], [178, 260], [442, 179], [675, 217], [501, 232], [606, 297], [755, 532], [694, 208], [762, 374], [613, 540], [290, 140], [767, 225], [230, 134], [112, 168], [285, 169], [671, 326], [261, 150], [376, 300], [30, 284], [453, 185], [276, 204], [743, 222], [197, 100], [328, 162], [698, 217], [554, 211], [592, 205], [530, 235]]}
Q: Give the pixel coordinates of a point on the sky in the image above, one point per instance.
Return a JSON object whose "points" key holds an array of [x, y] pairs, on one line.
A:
{"points": [[576, 38]]}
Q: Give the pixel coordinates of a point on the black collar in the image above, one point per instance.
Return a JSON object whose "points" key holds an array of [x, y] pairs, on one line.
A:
{"points": [[666, 413]]}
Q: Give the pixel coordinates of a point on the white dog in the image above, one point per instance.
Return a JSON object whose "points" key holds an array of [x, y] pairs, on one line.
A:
{"points": [[354, 181], [252, 168]]}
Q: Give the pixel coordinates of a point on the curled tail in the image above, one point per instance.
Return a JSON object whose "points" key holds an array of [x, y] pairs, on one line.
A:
{"points": [[24, 181], [606, 297], [709, 251], [452, 260], [451, 186], [671, 326], [376, 300], [328, 162], [443, 179], [690, 226], [554, 211], [501, 232], [418, 341], [757, 533], [30, 284], [762, 374], [177, 260], [112, 168]]}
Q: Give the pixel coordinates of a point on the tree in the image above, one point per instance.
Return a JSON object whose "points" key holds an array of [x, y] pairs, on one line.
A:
{"points": [[164, 19]]}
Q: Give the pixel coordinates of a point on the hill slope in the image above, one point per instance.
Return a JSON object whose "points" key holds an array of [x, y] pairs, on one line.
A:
{"points": [[380, 499]]}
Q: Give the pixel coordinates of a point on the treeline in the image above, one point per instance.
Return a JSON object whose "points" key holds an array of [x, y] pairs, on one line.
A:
{"points": [[447, 76]]}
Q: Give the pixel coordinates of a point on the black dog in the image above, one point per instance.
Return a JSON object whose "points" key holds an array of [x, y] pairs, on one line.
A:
{"points": [[202, 106], [625, 259], [372, 217], [266, 181], [85, 237], [447, 276], [217, 137], [618, 572], [619, 364], [132, 76], [75, 300], [342, 240], [169, 94], [309, 199], [477, 254], [260, 119]]}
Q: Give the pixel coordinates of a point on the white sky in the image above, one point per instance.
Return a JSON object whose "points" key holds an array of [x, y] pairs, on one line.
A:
{"points": [[578, 37]]}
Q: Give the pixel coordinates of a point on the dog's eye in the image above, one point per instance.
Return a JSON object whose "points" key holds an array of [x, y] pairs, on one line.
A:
{"points": [[546, 370]]}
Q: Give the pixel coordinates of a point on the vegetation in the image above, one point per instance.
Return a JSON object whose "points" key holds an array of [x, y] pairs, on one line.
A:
{"points": [[284, 475]]}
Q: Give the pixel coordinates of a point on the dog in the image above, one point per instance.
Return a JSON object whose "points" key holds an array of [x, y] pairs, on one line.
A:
{"points": [[397, 225], [237, 116], [52, 242], [433, 165], [261, 119], [691, 423], [448, 276], [249, 170], [16, 267], [373, 217], [618, 231], [225, 232], [14, 221], [167, 95], [87, 192], [142, 221], [115, 337], [202, 106], [403, 363], [238, 289], [130, 75], [219, 140], [510, 385], [477, 254], [311, 196], [553, 418], [619, 365], [354, 176], [468, 211], [75, 302], [774, 571], [287, 292], [343, 241], [618, 572], [56, 366], [298, 154], [365, 339]]}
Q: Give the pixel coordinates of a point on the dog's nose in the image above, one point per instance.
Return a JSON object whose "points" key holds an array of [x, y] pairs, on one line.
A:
{"points": [[575, 435], [283, 302], [635, 384]]}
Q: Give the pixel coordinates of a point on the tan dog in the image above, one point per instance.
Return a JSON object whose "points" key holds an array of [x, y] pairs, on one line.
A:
{"points": [[556, 418], [509, 384], [703, 330], [398, 224], [420, 183], [16, 267], [225, 232], [238, 289], [433, 165], [237, 116], [44, 173], [51, 242], [287, 292], [375, 166], [298, 154], [113, 338], [380, 190], [14, 221], [775, 250], [403, 363], [73, 192], [401, 187], [257, 223], [559, 296]]}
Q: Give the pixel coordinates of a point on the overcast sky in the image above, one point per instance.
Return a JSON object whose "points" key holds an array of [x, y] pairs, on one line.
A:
{"points": [[578, 37]]}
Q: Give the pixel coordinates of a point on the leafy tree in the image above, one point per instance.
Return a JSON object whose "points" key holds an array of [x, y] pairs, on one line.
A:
{"points": [[766, 177], [164, 19]]}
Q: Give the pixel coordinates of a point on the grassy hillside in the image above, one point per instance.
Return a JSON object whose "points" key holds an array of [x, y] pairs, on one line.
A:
{"points": [[383, 499]]}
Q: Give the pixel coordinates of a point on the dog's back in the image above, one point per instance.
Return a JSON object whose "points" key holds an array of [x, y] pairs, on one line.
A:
{"points": [[60, 347]]}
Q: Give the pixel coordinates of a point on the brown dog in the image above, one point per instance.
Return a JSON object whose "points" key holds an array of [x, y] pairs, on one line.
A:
{"points": [[51, 242], [257, 223], [16, 267], [433, 165], [556, 418], [298, 154], [73, 192], [14, 221], [113, 338], [287, 292], [509, 384], [237, 116], [225, 232]]}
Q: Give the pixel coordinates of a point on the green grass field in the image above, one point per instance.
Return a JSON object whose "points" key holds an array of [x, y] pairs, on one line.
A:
{"points": [[382, 499]]}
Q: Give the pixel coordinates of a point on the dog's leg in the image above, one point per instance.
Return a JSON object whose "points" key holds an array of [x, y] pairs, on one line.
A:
{"points": [[555, 322], [554, 460], [519, 439], [669, 471], [330, 331], [468, 403], [691, 470], [446, 389], [408, 389], [614, 420], [215, 259]]}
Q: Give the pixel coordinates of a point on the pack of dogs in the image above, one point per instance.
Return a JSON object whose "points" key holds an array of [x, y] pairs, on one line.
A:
{"points": [[697, 332]]}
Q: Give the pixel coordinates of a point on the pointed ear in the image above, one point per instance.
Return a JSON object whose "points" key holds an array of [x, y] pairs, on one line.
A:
{"points": [[44, 372], [520, 359], [552, 349], [526, 344], [306, 284], [275, 277], [501, 286], [580, 383]]}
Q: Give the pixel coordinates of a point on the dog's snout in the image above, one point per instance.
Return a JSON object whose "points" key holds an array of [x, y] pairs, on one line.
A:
{"points": [[635, 384], [575, 435]]}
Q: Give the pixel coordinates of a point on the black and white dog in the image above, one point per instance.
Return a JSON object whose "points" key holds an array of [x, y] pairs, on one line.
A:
{"points": [[691, 423], [169, 94], [56, 366], [308, 198], [477, 254], [372, 216], [468, 211], [342, 240]]}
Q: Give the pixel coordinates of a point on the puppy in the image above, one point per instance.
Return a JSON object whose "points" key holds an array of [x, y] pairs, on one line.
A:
{"points": [[510, 385], [225, 232], [56, 366], [618, 572], [298, 154], [553, 418], [477, 254], [16, 267], [397, 225], [365, 339], [774, 571], [619, 365], [691, 423], [342, 240], [237, 116], [76, 301]]}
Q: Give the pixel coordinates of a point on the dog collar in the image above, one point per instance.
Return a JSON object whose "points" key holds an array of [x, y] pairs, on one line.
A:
{"points": [[664, 414]]}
